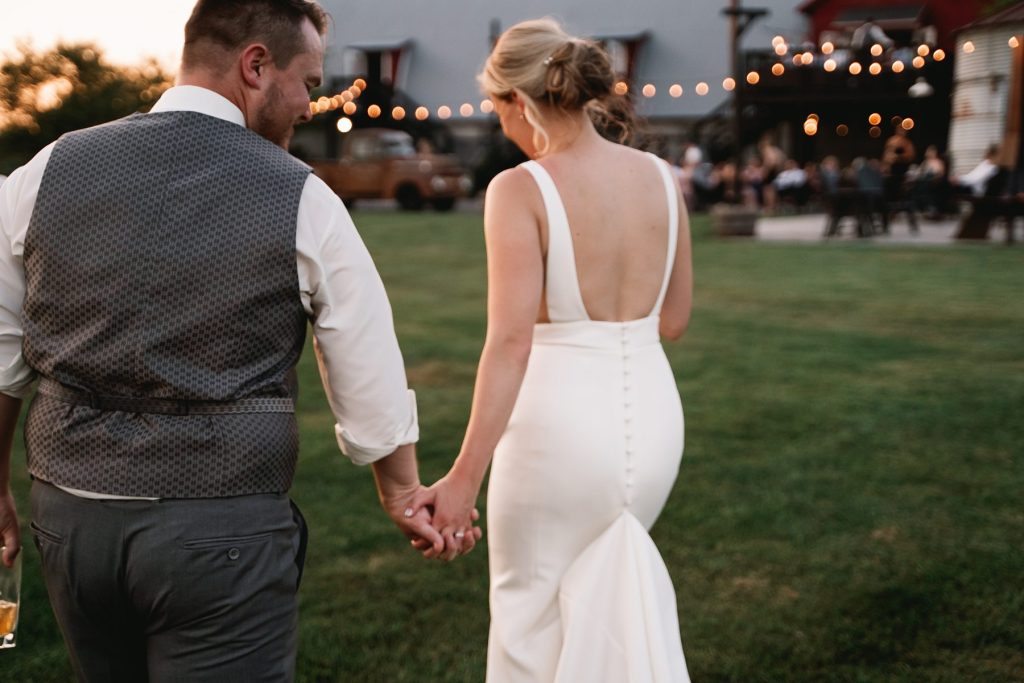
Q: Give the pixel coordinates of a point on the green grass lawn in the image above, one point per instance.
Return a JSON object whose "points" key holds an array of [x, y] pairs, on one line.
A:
{"points": [[848, 507]]}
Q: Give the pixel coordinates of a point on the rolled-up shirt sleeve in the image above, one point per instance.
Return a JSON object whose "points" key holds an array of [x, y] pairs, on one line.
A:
{"points": [[17, 201], [354, 337]]}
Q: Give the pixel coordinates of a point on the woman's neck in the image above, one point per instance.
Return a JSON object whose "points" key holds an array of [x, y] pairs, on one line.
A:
{"points": [[569, 132]]}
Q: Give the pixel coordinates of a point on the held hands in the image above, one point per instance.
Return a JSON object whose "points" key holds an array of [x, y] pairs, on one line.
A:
{"points": [[450, 503]]}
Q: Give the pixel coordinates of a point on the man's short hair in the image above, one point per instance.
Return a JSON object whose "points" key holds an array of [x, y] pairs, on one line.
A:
{"points": [[218, 26]]}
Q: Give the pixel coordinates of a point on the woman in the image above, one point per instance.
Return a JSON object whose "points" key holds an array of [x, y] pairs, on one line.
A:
{"points": [[588, 261]]}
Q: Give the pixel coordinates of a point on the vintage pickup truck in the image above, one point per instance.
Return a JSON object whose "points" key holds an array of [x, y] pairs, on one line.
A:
{"points": [[378, 163]]}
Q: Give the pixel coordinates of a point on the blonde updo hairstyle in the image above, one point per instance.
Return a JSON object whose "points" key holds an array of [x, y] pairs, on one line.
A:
{"points": [[553, 72]]}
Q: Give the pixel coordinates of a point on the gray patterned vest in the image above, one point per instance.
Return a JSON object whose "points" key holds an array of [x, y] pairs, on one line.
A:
{"points": [[162, 308]]}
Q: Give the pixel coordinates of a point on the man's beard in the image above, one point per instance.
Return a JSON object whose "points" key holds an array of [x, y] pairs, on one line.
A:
{"points": [[272, 127]]}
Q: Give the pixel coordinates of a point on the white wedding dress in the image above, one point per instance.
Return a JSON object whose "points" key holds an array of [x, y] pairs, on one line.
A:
{"points": [[579, 592]]}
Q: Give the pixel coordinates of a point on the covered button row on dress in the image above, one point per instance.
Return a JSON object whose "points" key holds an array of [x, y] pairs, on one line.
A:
{"points": [[627, 413]]}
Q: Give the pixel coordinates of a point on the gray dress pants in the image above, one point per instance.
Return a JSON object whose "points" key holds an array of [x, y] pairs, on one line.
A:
{"points": [[173, 590]]}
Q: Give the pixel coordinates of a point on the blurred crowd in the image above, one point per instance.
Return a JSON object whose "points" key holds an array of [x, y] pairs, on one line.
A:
{"points": [[900, 180]]}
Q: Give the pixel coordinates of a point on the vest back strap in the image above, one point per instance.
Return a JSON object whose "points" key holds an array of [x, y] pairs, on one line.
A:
{"points": [[128, 404]]}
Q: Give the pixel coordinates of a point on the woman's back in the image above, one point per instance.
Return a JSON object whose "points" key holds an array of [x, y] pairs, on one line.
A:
{"points": [[618, 215]]}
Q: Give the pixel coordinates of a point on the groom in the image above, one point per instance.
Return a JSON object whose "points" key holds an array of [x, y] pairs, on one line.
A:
{"points": [[157, 275]]}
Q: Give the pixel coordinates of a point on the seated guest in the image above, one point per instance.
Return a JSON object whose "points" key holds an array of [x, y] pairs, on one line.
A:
{"points": [[977, 179]]}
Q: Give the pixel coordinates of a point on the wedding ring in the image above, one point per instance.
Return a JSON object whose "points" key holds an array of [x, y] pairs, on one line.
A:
{"points": [[460, 534]]}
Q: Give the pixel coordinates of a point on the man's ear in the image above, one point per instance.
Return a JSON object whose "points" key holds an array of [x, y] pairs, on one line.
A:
{"points": [[253, 63]]}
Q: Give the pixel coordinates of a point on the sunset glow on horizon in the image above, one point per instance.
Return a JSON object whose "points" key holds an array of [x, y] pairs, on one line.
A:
{"points": [[126, 31]]}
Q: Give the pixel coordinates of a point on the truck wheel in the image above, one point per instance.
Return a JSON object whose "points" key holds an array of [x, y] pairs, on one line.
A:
{"points": [[409, 198], [443, 203]]}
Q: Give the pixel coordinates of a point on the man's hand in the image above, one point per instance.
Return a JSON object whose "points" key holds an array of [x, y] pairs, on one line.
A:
{"points": [[11, 536], [414, 523]]}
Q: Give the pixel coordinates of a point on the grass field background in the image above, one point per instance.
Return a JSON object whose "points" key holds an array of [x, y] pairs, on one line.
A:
{"points": [[849, 503]]}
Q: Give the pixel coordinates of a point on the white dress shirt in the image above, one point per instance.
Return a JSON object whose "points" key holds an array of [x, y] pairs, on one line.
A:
{"points": [[357, 351]]}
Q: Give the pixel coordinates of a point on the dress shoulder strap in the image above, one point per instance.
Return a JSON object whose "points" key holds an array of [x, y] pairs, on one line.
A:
{"points": [[564, 300], [673, 228]]}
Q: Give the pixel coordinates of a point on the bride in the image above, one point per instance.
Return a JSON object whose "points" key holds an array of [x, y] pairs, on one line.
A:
{"points": [[588, 256]]}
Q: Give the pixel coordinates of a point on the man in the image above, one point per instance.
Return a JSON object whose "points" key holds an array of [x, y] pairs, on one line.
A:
{"points": [[157, 274]]}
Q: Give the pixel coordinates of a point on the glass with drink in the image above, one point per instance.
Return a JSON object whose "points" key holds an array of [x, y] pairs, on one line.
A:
{"points": [[10, 584]]}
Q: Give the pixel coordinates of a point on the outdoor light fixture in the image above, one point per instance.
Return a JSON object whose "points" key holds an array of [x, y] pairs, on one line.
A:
{"points": [[921, 88]]}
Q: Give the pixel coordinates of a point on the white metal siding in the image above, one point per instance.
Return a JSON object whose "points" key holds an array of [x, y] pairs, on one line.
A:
{"points": [[980, 94]]}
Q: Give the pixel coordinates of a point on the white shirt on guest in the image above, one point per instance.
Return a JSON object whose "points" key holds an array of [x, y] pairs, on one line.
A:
{"points": [[360, 363]]}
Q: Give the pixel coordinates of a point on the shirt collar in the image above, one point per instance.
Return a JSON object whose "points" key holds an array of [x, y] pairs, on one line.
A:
{"points": [[201, 100]]}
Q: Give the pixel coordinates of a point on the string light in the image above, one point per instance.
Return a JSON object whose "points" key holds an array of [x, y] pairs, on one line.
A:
{"points": [[875, 119], [345, 100], [810, 127], [875, 132]]}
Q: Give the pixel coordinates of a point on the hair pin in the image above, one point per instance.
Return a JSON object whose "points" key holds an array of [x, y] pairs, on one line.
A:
{"points": [[547, 61]]}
